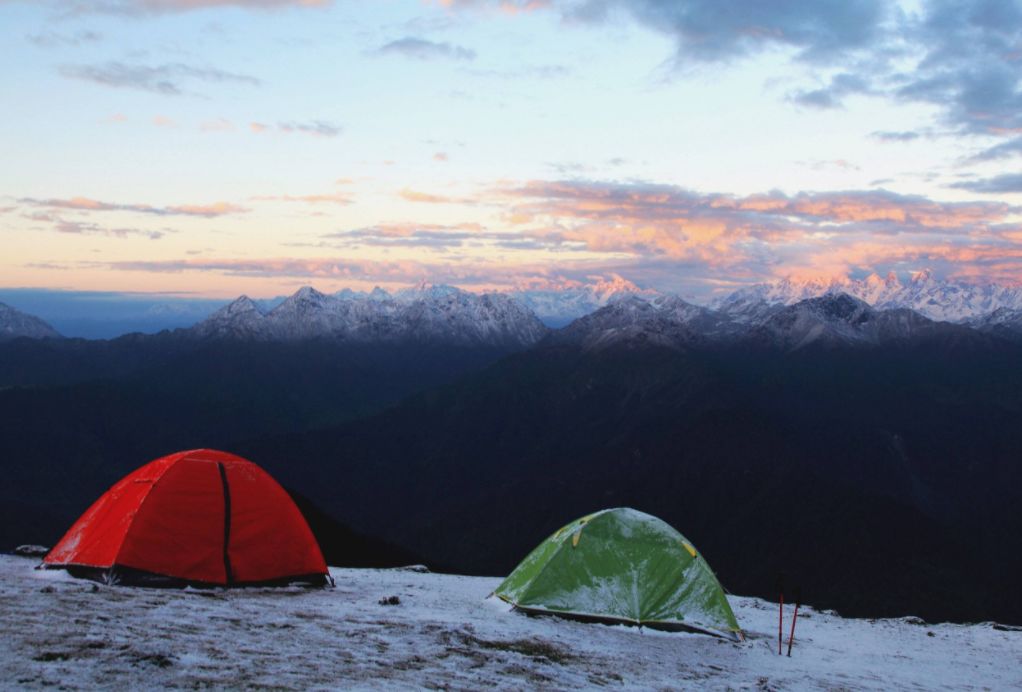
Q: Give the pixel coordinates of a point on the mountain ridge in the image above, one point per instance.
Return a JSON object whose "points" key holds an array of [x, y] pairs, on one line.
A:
{"points": [[16, 324], [427, 313], [941, 300]]}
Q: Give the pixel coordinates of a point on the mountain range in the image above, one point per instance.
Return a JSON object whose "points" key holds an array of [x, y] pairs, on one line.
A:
{"points": [[444, 314], [437, 314], [949, 301], [561, 306]]}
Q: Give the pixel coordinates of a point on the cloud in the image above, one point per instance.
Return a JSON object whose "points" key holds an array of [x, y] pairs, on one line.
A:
{"points": [[834, 94], [423, 49], [426, 197], [1004, 183], [51, 39], [316, 128], [206, 210], [1004, 150], [437, 237], [344, 271], [339, 268], [888, 136], [147, 7], [62, 225], [662, 226], [964, 57], [165, 79], [504, 6], [655, 202], [90, 205], [441, 156], [659, 235], [711, 31], [81, 227], [530, 72], [970, 64], [406, 235], [825, 164], [217, 125], [327, 198]]}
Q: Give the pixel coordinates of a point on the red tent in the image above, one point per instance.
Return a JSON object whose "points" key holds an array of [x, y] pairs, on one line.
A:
{"points": [[200, 516]]}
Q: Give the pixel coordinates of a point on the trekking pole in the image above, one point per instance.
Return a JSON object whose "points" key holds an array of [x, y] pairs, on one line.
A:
{"points": [[798, 602], [780, 613]]}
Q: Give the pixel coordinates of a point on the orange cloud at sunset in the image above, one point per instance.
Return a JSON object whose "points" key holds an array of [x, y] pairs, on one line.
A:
{"points": [[92, 205], [416, 196], [325, 198], [521, 232]]}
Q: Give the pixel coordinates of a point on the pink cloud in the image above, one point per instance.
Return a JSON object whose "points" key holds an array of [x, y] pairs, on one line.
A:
{"points": [[92, 205], [326, 198], [655, 235], [171, 6], [503, 6], [416, 196]]}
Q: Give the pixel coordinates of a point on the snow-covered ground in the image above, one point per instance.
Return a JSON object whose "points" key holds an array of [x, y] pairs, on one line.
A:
{"points": [[444, 633]]}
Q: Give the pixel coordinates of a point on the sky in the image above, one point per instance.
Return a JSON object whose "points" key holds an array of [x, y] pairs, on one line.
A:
{"points": [[209, 148]]}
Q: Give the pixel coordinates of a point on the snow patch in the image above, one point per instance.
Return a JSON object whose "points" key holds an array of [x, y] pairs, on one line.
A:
{"points": [[57, 630]]}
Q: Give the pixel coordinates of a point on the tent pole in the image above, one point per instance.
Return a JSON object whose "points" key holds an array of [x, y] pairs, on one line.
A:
{"points": [[780, 613], [798, 602]]}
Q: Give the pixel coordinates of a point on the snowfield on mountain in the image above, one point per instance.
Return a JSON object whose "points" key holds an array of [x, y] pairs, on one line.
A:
{"points": [[442, 631], [437, 314], [944, 300], [14, 324]]}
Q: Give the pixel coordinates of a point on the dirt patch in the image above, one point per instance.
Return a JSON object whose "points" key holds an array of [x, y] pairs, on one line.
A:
{"points": [[536, 649], [158, 660], [50, 656]]}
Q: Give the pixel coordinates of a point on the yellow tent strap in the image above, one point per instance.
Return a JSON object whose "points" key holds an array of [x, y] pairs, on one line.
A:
{"points": [[689, 548], [578, 534], [580, 522]]}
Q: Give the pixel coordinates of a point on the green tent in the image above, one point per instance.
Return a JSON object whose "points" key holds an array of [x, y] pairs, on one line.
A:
{"points": [[622, 566]]}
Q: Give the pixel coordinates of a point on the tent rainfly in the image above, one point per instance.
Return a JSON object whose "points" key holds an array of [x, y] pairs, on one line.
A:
{"points": [[622, 566], [198, 517]]}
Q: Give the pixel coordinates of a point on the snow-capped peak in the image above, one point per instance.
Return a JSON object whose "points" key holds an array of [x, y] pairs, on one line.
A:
{"points": [[559, 305], [242, 305], [14, 324], [240, 318], [666, 321], [952, 301], [306, 294], [425, 313], [427, 291], [839, 318], [922, 276]]}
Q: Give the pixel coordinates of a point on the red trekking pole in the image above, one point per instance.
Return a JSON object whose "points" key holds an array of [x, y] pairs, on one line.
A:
{"points": [[798, 602]]}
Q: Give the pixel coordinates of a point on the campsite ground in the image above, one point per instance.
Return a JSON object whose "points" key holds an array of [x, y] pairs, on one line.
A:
{"points": [[444, 633]]}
